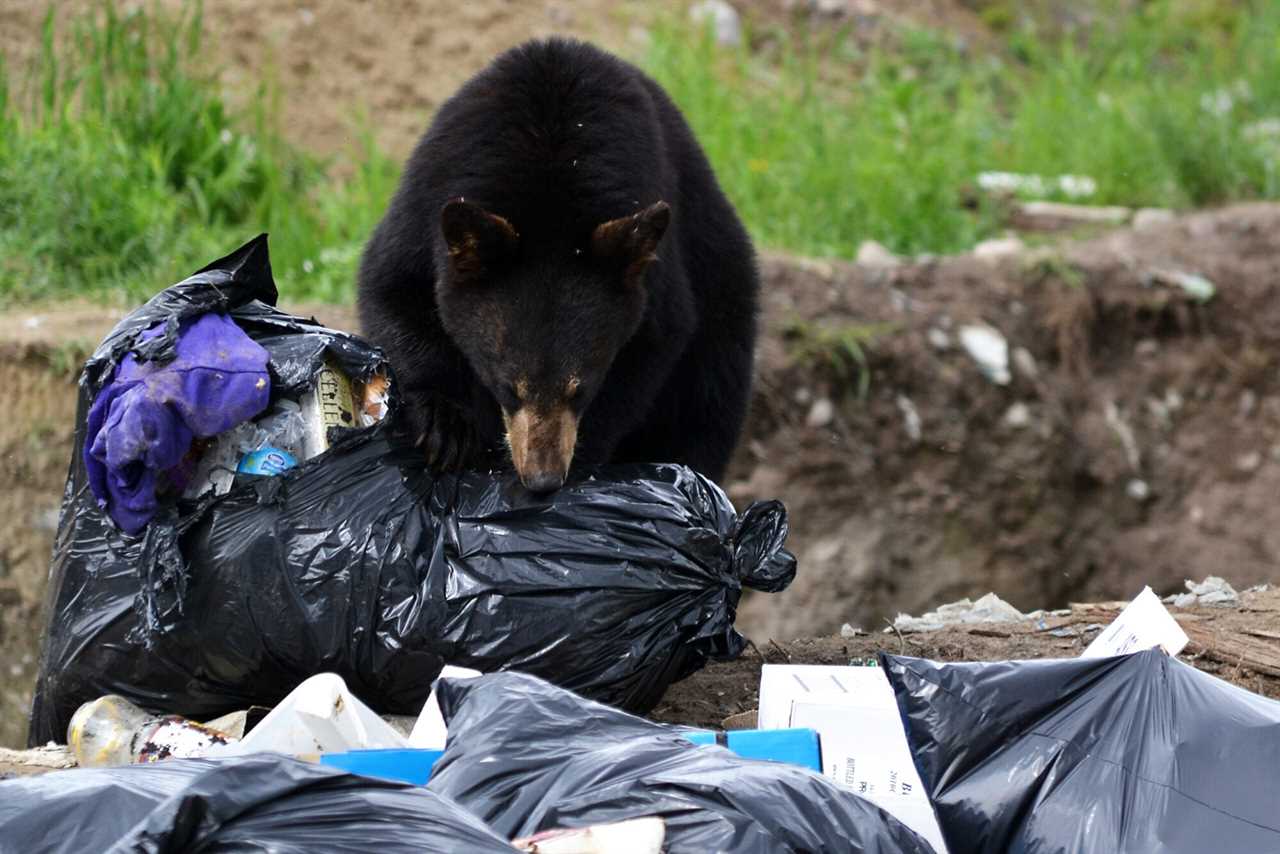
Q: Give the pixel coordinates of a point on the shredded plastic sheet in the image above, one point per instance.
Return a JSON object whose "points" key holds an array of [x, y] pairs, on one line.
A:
{"points": [[526, 756], [361, 563], [1138, 753], [265, 802]]}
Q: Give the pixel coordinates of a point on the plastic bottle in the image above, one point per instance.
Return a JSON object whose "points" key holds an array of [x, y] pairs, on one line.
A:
{"points": [[112, 731]]}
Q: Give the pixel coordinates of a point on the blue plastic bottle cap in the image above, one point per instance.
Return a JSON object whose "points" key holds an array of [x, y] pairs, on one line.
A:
{"points": [[269, 461]]}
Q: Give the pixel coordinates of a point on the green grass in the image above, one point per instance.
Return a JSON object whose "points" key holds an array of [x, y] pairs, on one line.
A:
{"points": [[122, 167], [888, 152]]}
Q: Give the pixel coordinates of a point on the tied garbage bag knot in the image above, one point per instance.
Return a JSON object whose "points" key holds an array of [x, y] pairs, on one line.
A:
{"points": [[207, 376]]}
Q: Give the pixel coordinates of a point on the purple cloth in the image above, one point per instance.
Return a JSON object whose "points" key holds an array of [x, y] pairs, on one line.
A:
{"points": [[142, 423]]}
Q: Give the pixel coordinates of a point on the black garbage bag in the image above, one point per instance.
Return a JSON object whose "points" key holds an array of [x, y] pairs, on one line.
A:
{"points": [[264, 802], [1134, 754], [361, 563], [526, 756]]}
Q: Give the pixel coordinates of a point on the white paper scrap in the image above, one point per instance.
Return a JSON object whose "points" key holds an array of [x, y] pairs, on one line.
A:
{"points": [[1143, 624], [864, 748], [430, 732]]}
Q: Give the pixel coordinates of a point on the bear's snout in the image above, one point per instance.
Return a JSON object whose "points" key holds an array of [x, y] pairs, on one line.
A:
{"points": [[542, 442]]}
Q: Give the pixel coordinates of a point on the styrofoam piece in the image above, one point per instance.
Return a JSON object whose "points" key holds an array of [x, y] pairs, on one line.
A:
{"points": [[321, 715], [430, 732], [636, 836]]}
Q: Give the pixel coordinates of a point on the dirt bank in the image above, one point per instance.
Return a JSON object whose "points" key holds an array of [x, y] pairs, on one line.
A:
{"points": [[1029, 489]]}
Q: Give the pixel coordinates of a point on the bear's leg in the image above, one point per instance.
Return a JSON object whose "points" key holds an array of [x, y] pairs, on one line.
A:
{"points": [[697, 418]]}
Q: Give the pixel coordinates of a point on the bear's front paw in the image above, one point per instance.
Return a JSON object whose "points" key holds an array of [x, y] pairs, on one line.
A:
{"points": [[448, 438]]}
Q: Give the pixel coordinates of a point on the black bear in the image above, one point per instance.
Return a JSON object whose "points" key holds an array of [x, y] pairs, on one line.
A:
{"points": [[559, 269]]}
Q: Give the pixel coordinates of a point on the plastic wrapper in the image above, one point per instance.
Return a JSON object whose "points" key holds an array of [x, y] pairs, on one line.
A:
{"points": [[1138, 753], [526, 756], [261, 803], [361, 563]]}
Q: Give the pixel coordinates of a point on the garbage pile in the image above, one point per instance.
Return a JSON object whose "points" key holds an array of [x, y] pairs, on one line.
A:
{"points": [[205, 564], [271, 627]]}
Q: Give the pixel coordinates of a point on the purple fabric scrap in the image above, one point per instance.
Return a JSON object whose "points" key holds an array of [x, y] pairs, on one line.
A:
{"points": [[143, 421]]}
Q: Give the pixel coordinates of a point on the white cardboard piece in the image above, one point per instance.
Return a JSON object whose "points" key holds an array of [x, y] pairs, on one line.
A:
{"points": [[864, 748], [321, 715], [1143, 624], [430, 732]]}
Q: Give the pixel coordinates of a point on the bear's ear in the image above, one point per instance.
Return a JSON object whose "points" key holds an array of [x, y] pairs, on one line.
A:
{"points": [[475, 236], [632, 240]]}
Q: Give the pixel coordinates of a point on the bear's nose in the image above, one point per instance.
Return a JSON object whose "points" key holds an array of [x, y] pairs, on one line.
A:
{"points": [[543, 481]]}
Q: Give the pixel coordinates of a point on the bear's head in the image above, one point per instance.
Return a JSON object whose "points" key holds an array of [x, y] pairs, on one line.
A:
{"points": [[541, 322]]}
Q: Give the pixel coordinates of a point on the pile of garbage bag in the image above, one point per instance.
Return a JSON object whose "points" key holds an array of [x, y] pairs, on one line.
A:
{"points": [[265, 802], [526, 756], [197, 572], [1135, 753]]}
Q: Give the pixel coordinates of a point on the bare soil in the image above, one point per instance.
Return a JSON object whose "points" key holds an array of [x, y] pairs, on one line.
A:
{"points": [[1218, 634], [1137, 442], [1040, 508]]}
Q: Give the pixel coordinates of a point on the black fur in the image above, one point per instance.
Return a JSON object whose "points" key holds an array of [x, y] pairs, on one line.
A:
{"points": [[557, 137]]}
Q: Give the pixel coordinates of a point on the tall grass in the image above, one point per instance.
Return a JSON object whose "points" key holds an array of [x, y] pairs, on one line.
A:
{"points": [[122, 167], [1155, 105]]}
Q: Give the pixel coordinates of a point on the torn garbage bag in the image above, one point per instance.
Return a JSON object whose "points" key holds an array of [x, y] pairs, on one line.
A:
{"points": [[208, 378], [265, 802], [361, 563], [525, 756], [1137, 753]]}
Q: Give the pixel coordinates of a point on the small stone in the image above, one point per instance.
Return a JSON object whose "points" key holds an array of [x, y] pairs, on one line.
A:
{"points": [[873, 254], [1145, 218], [1249, 463], [804, 395], [821, 414], [1138, 490], [1146, 348], [910, 418], [848, 631], [1173, 400], [997, 248], [1248, 403], [723, 18], [1018, 415], [938, 339], [989, 349], [1025, 363]]}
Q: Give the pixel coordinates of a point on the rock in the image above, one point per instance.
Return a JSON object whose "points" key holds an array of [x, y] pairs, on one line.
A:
{"points": [[873, 254], [938, 339], [723, 18], [1145, 218], [1248, 403], [1195, 286], [1037, 186], [1146, 348], [989, 349], [1249, 463], [1138, 490], [1055, 216], [1018, 415], [821, 414], [1026, 363], [910, 418], [848, 631], [997, 248]]}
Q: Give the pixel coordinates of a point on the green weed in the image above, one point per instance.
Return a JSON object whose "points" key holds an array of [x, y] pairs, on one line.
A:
{"points": [[122, 168], [840, 350]]}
